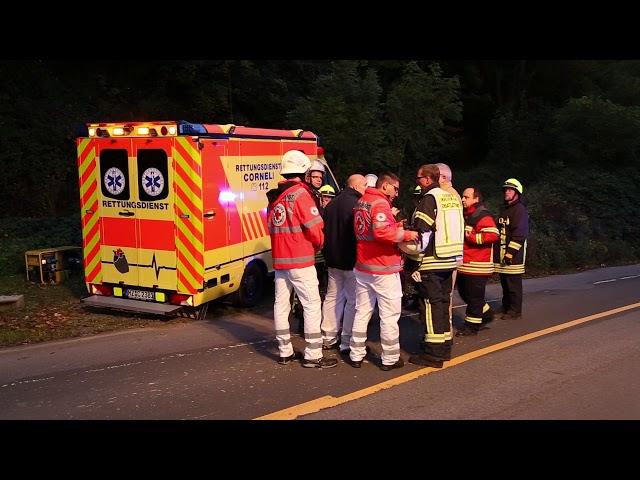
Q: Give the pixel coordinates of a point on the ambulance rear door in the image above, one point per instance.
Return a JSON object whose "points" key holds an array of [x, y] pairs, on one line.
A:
{"points": [[116, 191], [154, 212]]}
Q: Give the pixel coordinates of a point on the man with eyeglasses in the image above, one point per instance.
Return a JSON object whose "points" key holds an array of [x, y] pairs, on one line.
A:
{"points": [[377, 271], [439, 220]]}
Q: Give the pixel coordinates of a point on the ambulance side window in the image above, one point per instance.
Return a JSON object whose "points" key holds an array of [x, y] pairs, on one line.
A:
{"points": [[153, 174], [114, 173]]}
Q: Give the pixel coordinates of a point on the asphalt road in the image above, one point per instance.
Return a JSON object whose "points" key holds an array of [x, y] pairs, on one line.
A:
{"points": [[224, 367]]}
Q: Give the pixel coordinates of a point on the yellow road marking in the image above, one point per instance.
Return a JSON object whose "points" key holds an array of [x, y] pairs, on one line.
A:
{"points": [[329, 401]]}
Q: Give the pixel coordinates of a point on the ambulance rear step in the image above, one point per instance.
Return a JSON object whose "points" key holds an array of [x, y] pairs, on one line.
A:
{"points": [[128, 305]]}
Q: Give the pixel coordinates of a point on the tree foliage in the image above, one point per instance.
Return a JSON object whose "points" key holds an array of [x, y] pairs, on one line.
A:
{"points": [[569, 130]]}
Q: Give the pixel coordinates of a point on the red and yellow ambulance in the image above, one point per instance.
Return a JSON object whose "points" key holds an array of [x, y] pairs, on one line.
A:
{"points": [[174, 213]]}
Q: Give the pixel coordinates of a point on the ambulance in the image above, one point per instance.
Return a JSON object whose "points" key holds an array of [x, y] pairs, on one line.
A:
{"points": [[174, 214]]}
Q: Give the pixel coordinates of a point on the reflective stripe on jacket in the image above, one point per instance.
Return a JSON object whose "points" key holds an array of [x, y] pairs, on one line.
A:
{"points": [[480, 233], [513, 225], [377, 235], [295, 226]]}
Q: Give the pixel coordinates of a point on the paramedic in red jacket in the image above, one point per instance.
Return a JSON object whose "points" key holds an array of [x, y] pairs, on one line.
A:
{"points": [[295, 226], [480, 233], [377, 268]]}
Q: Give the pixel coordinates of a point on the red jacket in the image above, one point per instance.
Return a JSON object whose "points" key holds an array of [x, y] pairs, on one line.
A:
{"points": [[295, 225], [480, 233], [377, 235]]}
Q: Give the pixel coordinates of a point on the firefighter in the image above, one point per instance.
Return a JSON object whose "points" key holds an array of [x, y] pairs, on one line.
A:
{"points": [[445, 182], [480, 233], [377, 270], [509, 259], [295, 226], [327, 193], [439, 220]]}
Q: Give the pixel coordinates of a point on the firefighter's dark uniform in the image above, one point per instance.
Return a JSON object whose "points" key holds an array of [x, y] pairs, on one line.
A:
{"points": [[509, 257]]}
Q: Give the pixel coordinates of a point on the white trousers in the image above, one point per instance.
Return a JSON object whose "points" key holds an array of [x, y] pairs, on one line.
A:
{"points": [[305, 282], [387, 290], [339, 307]]}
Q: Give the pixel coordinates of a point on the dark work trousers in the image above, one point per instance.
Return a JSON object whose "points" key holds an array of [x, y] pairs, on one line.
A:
{"points": [[471, 289], [511, 292], [435, 294]]}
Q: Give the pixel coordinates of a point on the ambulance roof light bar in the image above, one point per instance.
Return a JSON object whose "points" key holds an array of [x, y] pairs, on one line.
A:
{"points": [[186, 128]]}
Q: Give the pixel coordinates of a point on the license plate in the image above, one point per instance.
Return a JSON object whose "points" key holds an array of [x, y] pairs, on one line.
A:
{"points": [[139, 294]]}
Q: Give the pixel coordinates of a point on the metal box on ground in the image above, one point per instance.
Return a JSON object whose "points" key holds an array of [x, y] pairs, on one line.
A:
{"points": [[52, 265]]}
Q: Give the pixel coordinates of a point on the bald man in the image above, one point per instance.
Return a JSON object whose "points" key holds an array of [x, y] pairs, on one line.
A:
{"points": [[446, 177], [338, 309]]}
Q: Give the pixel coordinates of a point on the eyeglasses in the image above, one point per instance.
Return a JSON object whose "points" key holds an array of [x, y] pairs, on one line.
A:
{"points": [[418, 178], [395, 188]]}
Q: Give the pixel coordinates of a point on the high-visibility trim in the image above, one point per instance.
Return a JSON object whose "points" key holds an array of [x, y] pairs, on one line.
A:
{"points": [[312, 222], [259, 225], [476, 269], [190, 188], [294, 229], [514, 245], [490, 230], [252, 227], [378, 268], [486, 308], [92, 257], [190, 228], [88, 194], [87, 171], [82, 146], [88, 189], [428, 318], [256, 224], [436, 338], [279, 261], [479, 238], [90, 223], [431, 263], [424, 217], [189, 149], [248, 233], [188, 201], [194, 248], [189, 205], [475, 320], [510, 269], [189, 275]]}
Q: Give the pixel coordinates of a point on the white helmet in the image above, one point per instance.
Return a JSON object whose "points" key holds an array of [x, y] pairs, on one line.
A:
{"points": [[371, 180], [410, 247], [317, 165], [294, 161]]}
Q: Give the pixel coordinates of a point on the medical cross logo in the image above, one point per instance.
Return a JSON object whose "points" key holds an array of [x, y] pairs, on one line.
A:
{"points": [[114, 181], [279, 215], [152, 182]]}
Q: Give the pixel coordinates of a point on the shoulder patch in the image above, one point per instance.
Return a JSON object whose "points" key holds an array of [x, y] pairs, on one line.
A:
{"points": [[278, 215], [314, 211], [381, 217]]}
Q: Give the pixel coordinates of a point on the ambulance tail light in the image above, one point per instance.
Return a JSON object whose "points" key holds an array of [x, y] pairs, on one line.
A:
{"points": [[180, 299], [105, 290]]}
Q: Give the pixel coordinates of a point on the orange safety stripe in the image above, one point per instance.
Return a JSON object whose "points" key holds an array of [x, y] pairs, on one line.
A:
{"points": [[188, 201], [88, 184]]}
